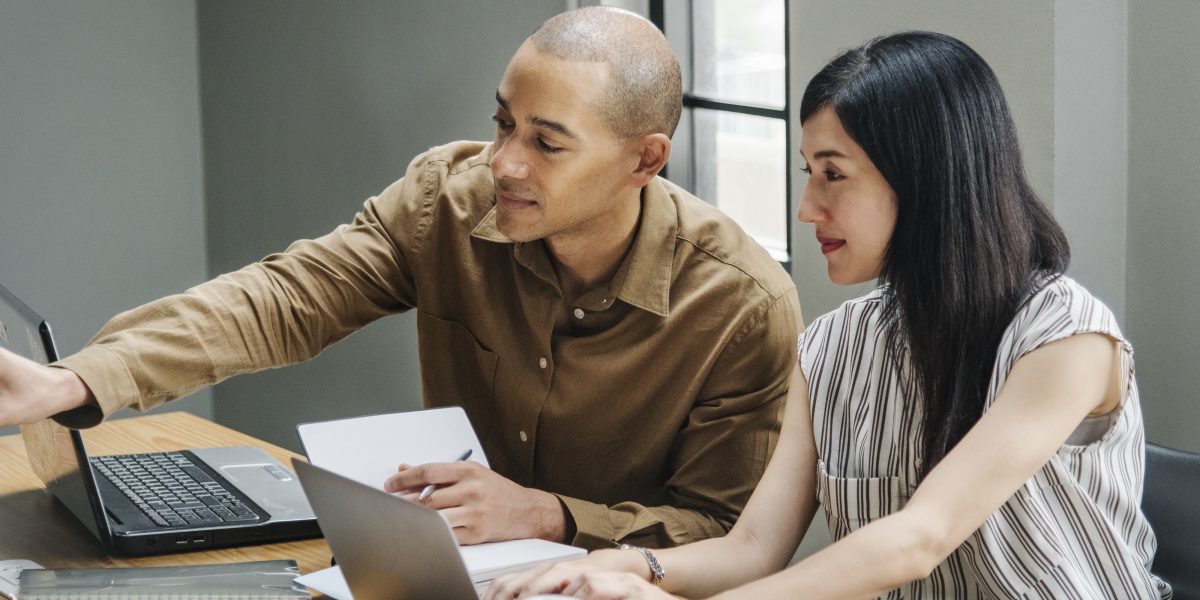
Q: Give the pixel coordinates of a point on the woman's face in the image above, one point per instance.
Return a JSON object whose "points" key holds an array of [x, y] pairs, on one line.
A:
{"points": [[846, 198]]}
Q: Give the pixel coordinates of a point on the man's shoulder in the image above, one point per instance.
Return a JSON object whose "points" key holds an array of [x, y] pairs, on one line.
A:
{"points": [[454, 176], [708, 234], [454, 158]]}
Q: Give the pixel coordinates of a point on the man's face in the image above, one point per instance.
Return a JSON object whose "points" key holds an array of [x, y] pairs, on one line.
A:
{"points": [[558, 167]]}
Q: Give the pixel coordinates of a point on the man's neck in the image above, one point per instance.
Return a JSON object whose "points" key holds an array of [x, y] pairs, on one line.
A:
{"points": [[590, 258]]}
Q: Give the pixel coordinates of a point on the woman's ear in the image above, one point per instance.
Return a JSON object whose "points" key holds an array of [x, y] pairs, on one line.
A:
{"points": [[653, 150]]}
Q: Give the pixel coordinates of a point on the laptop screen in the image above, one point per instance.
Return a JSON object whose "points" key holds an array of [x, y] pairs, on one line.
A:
{"points": [[55, 452]]}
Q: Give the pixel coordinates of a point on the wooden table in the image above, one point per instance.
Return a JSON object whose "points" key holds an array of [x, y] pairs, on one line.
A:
{"points": [[35, 526]]}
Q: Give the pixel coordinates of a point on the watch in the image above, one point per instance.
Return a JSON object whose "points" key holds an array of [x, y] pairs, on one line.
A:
{"points": [[657, 574]]}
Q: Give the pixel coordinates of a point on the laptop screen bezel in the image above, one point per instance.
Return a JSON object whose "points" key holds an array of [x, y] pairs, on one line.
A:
{"points": [[42, 440]]}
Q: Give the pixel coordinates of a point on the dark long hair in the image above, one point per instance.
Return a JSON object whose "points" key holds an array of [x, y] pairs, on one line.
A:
{"points": [[971, 237]]}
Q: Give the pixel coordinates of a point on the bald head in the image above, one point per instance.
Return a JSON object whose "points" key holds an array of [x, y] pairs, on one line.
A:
{"points": [[645, 90]]}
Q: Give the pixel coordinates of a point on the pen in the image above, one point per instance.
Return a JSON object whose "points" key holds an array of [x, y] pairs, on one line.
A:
{"points": [[429, 488]]}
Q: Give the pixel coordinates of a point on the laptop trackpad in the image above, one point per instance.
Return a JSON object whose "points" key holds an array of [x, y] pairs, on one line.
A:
{"points": [[260, 477]]}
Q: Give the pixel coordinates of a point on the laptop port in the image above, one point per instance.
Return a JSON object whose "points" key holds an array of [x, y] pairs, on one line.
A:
{"points": [[181, 540], [199, 539]]}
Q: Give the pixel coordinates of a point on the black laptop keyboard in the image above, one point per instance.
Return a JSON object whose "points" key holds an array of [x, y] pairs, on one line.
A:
{"points": [[171, 490]]}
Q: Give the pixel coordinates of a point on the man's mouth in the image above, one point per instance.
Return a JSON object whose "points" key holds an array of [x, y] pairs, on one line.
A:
{"points": [[510, 202]]}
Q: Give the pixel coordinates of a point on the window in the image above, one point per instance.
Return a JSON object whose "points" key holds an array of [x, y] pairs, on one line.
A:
{"points": [[731, 147]]}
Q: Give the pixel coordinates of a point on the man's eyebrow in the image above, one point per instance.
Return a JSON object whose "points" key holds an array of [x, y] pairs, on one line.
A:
{"points": [[553, 126], [540, 122]]}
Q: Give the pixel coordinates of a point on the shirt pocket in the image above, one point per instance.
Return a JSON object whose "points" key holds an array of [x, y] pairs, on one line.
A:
{"points": [[852, 502], [455, 368]]}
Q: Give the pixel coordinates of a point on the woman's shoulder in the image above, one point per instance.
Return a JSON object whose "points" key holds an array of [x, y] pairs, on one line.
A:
{"points": [[855, 314], [1059, 307], [1061, 296]]}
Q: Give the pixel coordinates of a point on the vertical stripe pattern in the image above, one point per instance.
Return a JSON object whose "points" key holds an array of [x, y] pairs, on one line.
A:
{"points": [[1074, 530]]}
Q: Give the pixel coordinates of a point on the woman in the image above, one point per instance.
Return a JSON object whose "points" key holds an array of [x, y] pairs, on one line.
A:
{"points": [[971, 427]]}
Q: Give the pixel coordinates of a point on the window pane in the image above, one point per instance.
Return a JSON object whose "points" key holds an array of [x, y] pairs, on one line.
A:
{"points": [[738, 51], [741, 165]]}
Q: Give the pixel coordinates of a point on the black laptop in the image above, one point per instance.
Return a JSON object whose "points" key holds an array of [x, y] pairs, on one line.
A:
{"points": [[157, 502]]}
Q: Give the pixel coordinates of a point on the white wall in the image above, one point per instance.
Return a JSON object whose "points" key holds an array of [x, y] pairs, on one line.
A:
{"points": [[101, 190]]}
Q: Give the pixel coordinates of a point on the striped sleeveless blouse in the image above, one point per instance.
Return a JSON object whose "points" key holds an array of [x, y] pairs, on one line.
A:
{"points": [[1074, 530]]}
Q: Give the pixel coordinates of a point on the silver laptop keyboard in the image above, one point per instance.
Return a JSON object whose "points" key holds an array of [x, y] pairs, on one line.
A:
{"points": [[171, 490]]}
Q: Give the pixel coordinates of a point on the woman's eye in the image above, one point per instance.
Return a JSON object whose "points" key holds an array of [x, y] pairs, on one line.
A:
{"points": [[830, 175], [806, 169]]}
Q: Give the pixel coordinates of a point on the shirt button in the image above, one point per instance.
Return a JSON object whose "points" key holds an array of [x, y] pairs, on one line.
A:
{"points": [[524, 438], [579, 313], [605, 301], [542, 362]]}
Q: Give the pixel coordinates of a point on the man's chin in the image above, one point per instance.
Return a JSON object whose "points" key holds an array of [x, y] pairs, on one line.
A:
{"points": [[516, 232]]}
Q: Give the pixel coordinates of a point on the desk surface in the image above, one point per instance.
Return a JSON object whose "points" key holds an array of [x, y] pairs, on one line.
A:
{"points": [[35, 526]]}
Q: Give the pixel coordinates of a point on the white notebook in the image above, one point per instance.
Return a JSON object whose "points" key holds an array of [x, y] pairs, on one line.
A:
{"points": [[368, 449]]}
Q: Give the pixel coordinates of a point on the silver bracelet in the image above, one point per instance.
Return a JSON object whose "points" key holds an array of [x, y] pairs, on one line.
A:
{"points": [[657, 574]]}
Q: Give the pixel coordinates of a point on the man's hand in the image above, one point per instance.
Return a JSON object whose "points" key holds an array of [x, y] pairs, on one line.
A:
{"points": [[480, 505], [30, 392]]}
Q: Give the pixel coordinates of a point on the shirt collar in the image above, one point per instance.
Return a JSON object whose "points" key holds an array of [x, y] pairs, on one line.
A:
{"points": [[644, 277]]}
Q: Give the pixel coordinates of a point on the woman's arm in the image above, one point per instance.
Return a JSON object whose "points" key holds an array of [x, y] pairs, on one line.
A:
{"points": [[1047, 394]]}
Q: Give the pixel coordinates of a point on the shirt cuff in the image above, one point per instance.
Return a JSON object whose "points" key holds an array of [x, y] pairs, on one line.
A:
{"points": [[593, 529], [111, 384]]}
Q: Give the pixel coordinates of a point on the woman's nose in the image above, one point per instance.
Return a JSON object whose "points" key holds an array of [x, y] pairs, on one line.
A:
{"points": [[808, 211]]}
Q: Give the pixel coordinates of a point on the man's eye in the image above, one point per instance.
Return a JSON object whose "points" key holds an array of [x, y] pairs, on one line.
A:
{"points": [[501, 123], [547, 147]]}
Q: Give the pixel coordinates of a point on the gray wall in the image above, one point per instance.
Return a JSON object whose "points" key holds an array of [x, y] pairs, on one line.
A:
{"points": [[1091, 158], [1164, 220], [101, 192], [311, 107]]}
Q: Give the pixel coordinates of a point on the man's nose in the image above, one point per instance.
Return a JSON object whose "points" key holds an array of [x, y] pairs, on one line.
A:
{"points": [[507, 165]]}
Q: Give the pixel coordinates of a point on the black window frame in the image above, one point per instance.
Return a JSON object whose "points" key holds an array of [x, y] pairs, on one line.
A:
{"points": [[657, 15]]}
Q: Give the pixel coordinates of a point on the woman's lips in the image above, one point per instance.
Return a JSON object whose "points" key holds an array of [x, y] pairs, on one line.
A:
{"points": [[830, 244]]}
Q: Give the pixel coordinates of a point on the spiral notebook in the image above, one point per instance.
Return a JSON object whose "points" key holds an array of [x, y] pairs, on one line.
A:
{"points": [[232, 581]]}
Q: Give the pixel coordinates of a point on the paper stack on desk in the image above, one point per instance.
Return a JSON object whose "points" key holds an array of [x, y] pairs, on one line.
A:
{"points": [[261, 579]]}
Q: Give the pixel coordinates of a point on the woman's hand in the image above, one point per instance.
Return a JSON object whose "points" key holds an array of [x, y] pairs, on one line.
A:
{"points": [[603, 574], [608, 585]]}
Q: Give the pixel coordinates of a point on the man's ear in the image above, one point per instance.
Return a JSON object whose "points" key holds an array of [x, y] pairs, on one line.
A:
{"points": [[653, 151]]}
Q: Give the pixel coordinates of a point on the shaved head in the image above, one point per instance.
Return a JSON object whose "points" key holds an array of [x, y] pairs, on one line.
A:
{"points": [[645, 90]]}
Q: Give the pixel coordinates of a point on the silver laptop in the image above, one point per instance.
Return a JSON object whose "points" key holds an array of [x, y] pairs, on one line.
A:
{"points": [[159, 502], [387, 549]]}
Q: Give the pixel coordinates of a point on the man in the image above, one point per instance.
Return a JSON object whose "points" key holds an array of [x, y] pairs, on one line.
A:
{"points": [[622, 348]]}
